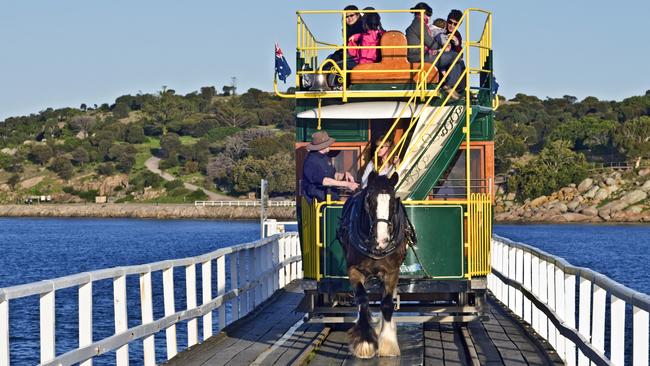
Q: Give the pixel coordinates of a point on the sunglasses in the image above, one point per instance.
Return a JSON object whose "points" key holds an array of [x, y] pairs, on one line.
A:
{"points": [[452, 22], [350, 16]]}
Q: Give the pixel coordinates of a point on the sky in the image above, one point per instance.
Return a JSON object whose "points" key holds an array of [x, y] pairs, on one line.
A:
{"points": [[67, 52]]}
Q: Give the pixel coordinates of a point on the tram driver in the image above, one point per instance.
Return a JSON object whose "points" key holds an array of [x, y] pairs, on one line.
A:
{"points": [[318, 173]]}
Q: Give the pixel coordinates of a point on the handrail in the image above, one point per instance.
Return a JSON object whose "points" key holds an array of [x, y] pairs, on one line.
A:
{"points": [[538, 286], [256, 270], [244, 203]]}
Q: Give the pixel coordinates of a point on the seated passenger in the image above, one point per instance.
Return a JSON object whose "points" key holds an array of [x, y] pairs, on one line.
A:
{"points": [[430, 45], [318, 173], [382, 151], [439, 32], [452, 21], [353, 25], [372, 32]]}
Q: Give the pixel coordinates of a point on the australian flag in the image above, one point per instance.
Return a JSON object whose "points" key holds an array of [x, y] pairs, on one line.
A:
{"points": [[281, 66]]}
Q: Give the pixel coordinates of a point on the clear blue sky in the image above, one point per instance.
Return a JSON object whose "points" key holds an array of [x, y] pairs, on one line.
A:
{"points": [[67, 52]]}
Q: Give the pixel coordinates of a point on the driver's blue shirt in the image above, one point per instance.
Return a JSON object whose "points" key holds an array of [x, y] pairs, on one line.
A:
{"points": [[316, 167]]}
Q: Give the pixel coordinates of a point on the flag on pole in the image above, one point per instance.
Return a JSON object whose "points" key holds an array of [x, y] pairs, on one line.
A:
{"points": [[281, 66]]}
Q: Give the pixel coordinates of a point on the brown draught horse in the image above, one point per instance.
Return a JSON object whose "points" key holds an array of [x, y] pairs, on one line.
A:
{"points": [[375, 231]]}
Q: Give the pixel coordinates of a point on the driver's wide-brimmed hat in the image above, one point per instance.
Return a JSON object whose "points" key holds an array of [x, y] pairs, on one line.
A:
{"points": [[319, 141]]}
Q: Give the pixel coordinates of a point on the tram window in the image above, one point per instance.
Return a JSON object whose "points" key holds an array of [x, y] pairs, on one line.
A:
{"points": [[452, 183], [346, 160]]}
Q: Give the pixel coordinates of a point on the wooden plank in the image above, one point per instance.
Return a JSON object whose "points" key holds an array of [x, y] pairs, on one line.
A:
{"points": [[146, 309], [170, 308], [121, 320], [47, 324], [306, 335], [190, 295], [487, 352], [433, 351], [334, 350], [241, 342]]}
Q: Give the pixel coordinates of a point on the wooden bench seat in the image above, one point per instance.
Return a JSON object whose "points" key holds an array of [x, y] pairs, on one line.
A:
{"points": [[391, 59]]}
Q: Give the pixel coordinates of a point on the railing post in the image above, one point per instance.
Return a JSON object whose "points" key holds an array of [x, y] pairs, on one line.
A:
{"points": [[598, 318], [559, 310], [617, 330], [244, 271], [259, 270], [543, 296], [234, 285], [4, 333], [281, 244], [190, 288], [47, 324], [584, 318], [221, 289], [570, 316], [85, 317], [504, 266], [170, 308], [206, 291], [550, 300], [528, 285], [121, 320], [640, 336], [535, 289], [519, 277], [146, 308], [270, 275], [295, 249]]}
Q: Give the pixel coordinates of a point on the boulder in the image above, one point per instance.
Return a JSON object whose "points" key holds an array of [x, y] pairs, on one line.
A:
{"points": [[646, 186], [634, 209], [585, 185], [510, 196], [610, 181], [602, 194], [538, 201], [590, 211], [571, 206], [604, 213], [8, 151], [634, 197], [559, 206], [29, 183], [572, 185], [592, 192], [643, 172], [574, 217]]}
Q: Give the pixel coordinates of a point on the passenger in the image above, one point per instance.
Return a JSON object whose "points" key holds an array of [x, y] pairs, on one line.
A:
{"points": [[452, 21], [318, 173], [382, 151], [446, 59], [372, 32], [353, 25], [439, 33]]}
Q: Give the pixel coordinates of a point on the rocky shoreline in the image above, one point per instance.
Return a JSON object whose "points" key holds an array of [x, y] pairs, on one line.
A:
{"points": [[605, 197], [143, 210]]}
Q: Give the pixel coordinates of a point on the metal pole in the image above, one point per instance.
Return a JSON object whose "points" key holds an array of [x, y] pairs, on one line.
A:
{"points": [[263, 184]]}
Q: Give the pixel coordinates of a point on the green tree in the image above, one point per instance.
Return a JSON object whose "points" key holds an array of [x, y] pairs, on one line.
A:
{"points": [[167, 107], [170, 144], [231, 113], [61, 165], [134, 134], [121, 110], [80, 156], [40, 154], [281, 175], [555, 167], [506, 148], [633, 138], [585, 133], [13, 180], [124, 156], [247, 174], [83, 123], [264, 147]]}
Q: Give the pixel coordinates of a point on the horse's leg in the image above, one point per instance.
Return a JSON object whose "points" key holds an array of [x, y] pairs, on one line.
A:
{"points": [[388, 336], [363, 340]]}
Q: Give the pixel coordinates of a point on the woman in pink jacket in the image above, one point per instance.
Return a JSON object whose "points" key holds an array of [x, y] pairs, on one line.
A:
{"points": [[371, 36]]}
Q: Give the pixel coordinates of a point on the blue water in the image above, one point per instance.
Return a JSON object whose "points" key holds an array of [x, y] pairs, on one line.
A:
{"points": [[36, 249], [621, 252]]}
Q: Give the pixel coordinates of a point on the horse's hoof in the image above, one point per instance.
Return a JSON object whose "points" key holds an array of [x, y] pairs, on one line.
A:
{"points": [[388, 346], [363, 350]]}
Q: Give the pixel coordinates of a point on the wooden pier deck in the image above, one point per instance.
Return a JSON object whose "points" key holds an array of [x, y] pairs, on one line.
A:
{"points": [[275, 335]]}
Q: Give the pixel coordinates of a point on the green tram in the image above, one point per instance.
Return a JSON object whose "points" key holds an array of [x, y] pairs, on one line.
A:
{"points": [[440, 141]]}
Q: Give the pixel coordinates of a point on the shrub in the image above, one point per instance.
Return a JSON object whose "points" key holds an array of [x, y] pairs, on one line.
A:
{"points": [[106, 169], [63, 167], [174, 184], [198, 195]]}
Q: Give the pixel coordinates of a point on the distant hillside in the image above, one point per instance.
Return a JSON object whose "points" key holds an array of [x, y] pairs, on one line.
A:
{"points": [[210, 143]]}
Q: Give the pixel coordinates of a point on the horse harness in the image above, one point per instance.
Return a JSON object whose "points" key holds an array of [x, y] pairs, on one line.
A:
{"points": [[355, 224]]}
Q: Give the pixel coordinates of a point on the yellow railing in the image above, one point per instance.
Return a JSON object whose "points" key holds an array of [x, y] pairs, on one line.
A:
{"points": [[479, 234]]}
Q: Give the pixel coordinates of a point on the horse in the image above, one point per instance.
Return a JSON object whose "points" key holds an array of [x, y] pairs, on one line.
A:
{"points": [[374, 232]]}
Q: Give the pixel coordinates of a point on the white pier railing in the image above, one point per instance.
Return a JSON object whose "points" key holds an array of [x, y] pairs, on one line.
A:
{"points": [[256, 270], [543, 289], [245, 203]]}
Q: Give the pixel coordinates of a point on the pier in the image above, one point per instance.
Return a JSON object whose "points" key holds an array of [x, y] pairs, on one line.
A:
{"points": [[540, 311]]}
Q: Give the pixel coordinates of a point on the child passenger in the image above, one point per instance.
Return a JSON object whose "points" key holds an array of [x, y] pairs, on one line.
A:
{"points": [[371, 36]]}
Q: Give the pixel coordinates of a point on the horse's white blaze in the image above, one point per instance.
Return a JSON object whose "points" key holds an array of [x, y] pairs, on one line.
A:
{"points": [[383, 201]]}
